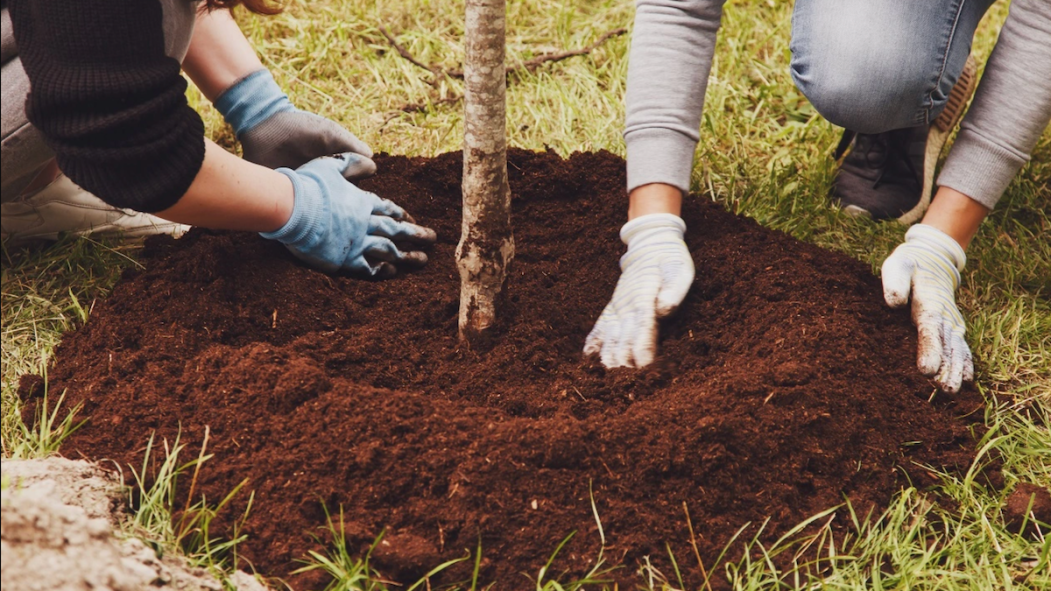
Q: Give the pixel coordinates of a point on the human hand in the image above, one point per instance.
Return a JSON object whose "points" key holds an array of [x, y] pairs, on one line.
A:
{"points": [[928, 266], [656, 273], [337, 226], [274, 133]]}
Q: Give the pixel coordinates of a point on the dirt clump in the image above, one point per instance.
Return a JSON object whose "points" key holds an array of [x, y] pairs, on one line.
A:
{"points": [[1028, 504], [782, 385]]}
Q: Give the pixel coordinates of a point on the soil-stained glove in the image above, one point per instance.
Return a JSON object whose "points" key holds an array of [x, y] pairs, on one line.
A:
{"points": [[274, 133], [928, 266], [337, 226], [656, 273]]}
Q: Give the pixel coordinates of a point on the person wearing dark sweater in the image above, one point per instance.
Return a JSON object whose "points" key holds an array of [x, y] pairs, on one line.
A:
{"points": [[885, 70], [97, 131]]}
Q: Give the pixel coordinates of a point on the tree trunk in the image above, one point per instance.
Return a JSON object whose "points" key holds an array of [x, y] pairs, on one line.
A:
{"points": [[486, 243]]}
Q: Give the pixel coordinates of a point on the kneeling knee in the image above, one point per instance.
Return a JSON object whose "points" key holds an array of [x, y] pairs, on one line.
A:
{"points": [[864, 95]]}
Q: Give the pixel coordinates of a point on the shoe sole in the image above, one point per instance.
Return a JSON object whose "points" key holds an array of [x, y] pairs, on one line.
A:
{"points": [[62, 207], [939, 133], [130, 234], [857, 212], [21, 225]]}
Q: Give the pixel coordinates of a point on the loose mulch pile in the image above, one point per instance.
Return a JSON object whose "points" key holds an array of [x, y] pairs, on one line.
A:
{"points": [[782, 385]]}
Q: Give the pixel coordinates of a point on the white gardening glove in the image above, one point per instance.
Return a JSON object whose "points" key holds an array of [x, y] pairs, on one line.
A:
{"points": [[928, 265], [656, 273]]}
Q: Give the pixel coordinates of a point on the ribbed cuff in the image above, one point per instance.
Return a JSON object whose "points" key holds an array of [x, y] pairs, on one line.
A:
{"points": [[308, 210], [252, 100], [659, 156], [940, 242], [652, 221], [979, 168]]}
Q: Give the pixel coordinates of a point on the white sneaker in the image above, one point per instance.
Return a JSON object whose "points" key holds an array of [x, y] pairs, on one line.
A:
{"points": [[62, 206]]}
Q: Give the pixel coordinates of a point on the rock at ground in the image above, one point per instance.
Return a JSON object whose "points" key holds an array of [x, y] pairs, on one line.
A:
{"points": [[59, 534]]}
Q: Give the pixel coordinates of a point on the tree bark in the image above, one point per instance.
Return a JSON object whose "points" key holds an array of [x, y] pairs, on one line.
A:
{"points": [[486, 242]]}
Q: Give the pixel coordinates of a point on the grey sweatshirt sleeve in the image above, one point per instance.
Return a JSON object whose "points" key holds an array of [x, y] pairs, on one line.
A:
{"points": [[671, 55], [1011, 107]]}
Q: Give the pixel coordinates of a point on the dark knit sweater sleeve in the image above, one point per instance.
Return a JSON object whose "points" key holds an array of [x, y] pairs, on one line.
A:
{"points": [[107, 99]]}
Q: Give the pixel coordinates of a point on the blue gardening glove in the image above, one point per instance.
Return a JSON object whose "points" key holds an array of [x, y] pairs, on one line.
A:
{"points": [[928, 266], [274, 133], [656, 273], [336, 226]]}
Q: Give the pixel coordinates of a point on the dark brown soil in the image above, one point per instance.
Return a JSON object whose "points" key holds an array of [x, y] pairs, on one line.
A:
{"points": [[783, 385]]}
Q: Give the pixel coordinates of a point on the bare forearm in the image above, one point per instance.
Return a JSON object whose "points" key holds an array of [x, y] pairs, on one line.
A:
{"points": [[219, 54], [654, 198], [955, 214], [229, 193]]}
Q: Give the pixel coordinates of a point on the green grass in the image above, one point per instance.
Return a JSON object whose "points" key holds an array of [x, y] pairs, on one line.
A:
{"points": [[347, 572], [45, 292], [172, 524], [764, 153], [44, 435]]}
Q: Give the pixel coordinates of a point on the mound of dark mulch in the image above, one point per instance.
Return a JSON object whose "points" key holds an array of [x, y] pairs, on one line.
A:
{"points": [[783, 385]]}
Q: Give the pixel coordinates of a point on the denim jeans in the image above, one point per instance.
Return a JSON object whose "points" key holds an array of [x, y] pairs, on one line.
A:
{"points": [[876, 65]]}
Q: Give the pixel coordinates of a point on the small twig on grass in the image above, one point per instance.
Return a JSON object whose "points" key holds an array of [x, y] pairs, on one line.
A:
{"points": [[420, 107], [532, 64], [404, 53], [527, 66]]}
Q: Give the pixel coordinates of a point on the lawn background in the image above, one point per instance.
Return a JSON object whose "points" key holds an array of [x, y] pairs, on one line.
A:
{"points": [[764, 152]]}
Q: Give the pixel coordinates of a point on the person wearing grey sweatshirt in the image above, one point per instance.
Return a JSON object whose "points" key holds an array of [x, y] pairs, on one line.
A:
{"points": [[886, 71]]}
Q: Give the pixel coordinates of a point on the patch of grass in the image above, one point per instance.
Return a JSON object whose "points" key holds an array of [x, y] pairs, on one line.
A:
{"points": [[346, 571], [46, 433], [157, 518], [596, 577], [349, 573], [333, 60], [764, 153], [45, 291]]}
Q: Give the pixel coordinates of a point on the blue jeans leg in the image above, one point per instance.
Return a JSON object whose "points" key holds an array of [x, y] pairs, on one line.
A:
{"points": [[876, 65]]}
